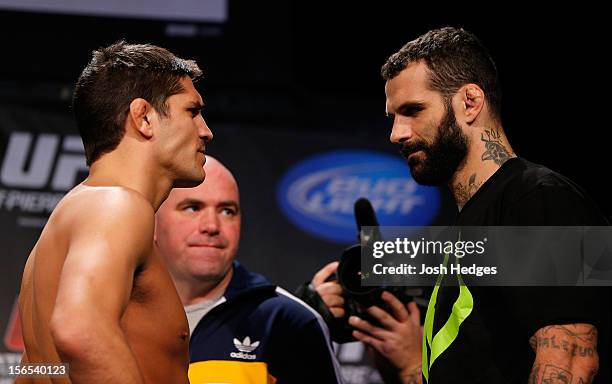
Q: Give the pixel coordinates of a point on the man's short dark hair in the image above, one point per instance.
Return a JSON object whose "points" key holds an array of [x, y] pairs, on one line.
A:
{"points": [[454, 57], [115, 76]]}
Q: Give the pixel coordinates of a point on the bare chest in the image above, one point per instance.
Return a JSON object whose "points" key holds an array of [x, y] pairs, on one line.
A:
{"points": [[154, 318]]}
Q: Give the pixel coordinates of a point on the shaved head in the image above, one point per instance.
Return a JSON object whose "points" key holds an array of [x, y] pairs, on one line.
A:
{"points": [[215, 171]]}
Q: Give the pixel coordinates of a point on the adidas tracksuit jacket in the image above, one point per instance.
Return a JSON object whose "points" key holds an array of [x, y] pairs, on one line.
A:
{"points": [[259, 333]]}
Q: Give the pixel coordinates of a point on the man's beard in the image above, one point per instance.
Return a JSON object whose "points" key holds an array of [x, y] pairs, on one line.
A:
{"points": [[442, 157]]}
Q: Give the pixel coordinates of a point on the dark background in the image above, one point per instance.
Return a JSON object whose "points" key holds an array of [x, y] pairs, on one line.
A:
{"points": [[315, 66], [283, 77]]}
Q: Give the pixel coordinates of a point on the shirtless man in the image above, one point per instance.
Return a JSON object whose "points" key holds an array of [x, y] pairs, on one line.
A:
{"points": [[93, 294]]}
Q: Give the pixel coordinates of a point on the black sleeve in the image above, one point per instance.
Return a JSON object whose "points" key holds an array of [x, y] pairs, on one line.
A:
{"points": [[535, 307], [555, 203], [304, 351]]}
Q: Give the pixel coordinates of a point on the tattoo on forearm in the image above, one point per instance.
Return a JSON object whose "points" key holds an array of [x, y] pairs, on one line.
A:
{"points": [[556, 375], [571, 348], [587, 335], [465, 192], [583, 340], [577, 341], [494, 149], [553, 375]]}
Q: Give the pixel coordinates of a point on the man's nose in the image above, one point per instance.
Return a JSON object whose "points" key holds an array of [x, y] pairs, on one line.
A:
{"points": [[209, 222], [401, 130], [204, 132]]}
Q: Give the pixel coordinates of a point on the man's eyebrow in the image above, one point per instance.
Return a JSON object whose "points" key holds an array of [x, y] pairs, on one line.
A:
{"points": [[408, 108], [190, 201], [412, 106]]}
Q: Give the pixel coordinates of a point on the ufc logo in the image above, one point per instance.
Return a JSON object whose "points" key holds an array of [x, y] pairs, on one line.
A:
{"points": [[40, 169]]}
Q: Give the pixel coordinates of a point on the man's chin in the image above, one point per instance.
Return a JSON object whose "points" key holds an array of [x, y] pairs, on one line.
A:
{"points": [[417, 170], [424, 176], [212, 274], [424, 180], [190, 182], [207, 280]]}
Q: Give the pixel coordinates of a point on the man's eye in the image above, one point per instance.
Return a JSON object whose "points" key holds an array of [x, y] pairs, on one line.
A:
{"points": [[412, 111], [191, 208], [195, 111], [228, 211]]}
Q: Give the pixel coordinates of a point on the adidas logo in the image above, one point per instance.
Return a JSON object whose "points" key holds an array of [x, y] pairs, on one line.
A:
{"points": [[244, 347]]}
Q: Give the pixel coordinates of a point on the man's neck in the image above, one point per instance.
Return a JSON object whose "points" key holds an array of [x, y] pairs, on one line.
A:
{"points": [[196, 292], [488, 150], [115, 169]]}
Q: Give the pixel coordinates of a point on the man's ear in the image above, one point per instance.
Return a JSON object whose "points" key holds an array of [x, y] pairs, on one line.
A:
{"points": [[140, 115], [472, 100]]}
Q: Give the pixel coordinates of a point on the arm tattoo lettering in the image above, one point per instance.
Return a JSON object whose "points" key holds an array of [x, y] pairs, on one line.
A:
{"points": [[583, 342], [588, 336], [578, 342]]}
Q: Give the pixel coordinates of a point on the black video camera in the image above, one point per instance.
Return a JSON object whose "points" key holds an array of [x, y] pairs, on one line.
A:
{"points": [[358, 297]]}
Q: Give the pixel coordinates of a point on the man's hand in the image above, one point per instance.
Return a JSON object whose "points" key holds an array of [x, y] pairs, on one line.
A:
{"points": [[398, 338], [331, 291], [565, 354]]}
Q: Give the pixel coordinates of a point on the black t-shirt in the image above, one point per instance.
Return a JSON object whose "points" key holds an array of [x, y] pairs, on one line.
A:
{"points": [[493, 342]]}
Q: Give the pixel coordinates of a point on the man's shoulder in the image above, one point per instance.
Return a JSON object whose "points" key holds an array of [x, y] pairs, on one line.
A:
{"points": [[292, 303], [538, 179], [526, 193], [542, 196], [103, 213], [526, 176], [523, 179], [293, 311], [107, 196], [111, 203], [253, 295]]}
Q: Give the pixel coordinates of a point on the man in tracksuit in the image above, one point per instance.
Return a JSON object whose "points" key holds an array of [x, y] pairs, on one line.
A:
{"points": [[243, 328]]}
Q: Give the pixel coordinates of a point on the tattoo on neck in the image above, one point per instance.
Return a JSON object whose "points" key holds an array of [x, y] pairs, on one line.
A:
{"points": [[494, 149], [464, 192]]}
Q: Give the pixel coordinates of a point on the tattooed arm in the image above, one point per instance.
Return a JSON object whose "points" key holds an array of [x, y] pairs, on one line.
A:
{"points": [[565, 354]]}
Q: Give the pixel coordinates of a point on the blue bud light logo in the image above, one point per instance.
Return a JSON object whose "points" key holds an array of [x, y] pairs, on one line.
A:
{"points": [[318, 194]]}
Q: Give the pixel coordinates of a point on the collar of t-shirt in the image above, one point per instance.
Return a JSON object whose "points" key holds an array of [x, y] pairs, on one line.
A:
{"points": [[195, 312]]}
